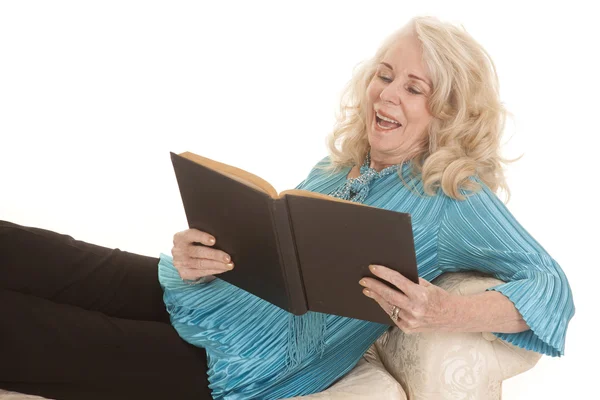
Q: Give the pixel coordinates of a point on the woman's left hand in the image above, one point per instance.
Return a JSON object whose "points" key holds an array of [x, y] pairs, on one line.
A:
{"points": [[422, 307]]}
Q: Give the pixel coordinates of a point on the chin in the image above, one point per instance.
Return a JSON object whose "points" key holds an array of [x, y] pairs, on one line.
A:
{"points": [[381, 141]]}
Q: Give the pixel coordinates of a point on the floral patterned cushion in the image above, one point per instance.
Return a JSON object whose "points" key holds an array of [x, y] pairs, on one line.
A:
{"points": [[457, 366], [453, 365]]}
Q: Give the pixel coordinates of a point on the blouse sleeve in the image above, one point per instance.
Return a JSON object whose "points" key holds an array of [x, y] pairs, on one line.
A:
{"points": [[480, 234], [313, 172]]}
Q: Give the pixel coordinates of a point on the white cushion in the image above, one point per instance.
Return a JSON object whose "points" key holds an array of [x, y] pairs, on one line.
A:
{"points": [[368, 380]]}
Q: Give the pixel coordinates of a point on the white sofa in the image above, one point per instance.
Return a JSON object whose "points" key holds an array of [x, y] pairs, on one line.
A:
{"points": [[465, 366]]}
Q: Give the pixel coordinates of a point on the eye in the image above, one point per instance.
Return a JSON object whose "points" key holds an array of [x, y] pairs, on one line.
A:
{"points": [[388, 80]]}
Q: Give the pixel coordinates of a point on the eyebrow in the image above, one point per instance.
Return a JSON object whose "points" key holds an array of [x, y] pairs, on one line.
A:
{"points": [[409, 75]]}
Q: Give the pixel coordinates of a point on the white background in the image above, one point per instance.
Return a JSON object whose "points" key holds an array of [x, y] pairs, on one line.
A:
{"points": [[95, 94]]}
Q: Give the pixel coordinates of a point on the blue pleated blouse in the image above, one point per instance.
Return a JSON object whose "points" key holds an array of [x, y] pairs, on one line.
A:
{"points": [[247, 339]]}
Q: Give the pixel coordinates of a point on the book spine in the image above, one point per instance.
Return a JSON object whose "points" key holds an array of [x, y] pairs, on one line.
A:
{"points": [[289, 257]]}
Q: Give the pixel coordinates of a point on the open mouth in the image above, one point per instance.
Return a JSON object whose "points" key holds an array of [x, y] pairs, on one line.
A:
{"points": [[386, 124]]}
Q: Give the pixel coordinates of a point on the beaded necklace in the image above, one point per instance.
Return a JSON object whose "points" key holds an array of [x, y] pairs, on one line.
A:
{"points": [[357, 189]]}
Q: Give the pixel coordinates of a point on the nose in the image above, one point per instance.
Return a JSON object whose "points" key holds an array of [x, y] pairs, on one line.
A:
{"points": [[391, 93]]}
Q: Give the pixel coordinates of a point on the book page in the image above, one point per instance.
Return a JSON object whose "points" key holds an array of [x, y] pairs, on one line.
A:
{"points": [[306, 193], [238, 174]]}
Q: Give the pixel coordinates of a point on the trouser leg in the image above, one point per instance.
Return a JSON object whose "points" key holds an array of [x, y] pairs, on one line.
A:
{"points": [[57, 267], [57, 339], [65, 352]]}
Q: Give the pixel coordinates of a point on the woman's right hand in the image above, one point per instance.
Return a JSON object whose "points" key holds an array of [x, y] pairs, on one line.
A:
{"points": [[194, 262]]}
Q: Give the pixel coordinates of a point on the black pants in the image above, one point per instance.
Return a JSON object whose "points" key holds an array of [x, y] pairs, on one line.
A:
{"points": [[81, 321]]}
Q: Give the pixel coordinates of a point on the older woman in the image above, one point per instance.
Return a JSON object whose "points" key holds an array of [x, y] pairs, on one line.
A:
{"points": [[418, 132]]}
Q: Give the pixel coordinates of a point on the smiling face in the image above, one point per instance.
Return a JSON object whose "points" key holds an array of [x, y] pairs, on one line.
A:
{"points": [[398, 92]]}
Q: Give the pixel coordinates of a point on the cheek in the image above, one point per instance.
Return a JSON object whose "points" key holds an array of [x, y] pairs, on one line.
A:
{"points": [[372, 93], [419, 113], [371, 99]]}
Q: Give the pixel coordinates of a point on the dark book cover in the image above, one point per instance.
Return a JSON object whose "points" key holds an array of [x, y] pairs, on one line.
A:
{"points": [[298, 252]]}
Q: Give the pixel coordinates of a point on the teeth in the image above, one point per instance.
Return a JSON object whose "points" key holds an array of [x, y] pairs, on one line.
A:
{"points": [[387, 119]]}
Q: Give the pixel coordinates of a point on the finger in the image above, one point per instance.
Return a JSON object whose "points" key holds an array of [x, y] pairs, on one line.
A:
{"points": [[390, 295], [203, 264], [406, 316], [403, 314], [383, 303], [208, 253], [395, 278], [202, 279], [403, 321], [424, 282], [406, 326], [194, 236], [193, 274]]}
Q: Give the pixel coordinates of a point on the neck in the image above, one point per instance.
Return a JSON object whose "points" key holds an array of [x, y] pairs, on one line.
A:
{"points": [[379, 164]]}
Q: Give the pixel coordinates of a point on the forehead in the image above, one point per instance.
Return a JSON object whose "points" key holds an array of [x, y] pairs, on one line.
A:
{"points": [[405, 55]]}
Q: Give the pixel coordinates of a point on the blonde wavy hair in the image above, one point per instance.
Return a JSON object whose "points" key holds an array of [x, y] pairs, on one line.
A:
{"points": [[464, 135]]}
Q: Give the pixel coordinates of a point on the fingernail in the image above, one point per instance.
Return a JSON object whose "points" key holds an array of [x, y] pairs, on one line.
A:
{"points": [[363, 282], [367, 292], [211, 240], [230, 265], [373, 268], [227, 259]]}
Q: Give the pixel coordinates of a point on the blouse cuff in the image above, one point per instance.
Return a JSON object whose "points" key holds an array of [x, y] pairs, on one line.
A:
{"points": [[547, 313]]}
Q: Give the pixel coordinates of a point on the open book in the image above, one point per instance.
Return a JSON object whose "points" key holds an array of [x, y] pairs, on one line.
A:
{"points": [[301, 251]]}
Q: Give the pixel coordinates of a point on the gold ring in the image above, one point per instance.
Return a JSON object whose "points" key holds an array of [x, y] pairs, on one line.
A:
{"points": [[394, 313]]}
